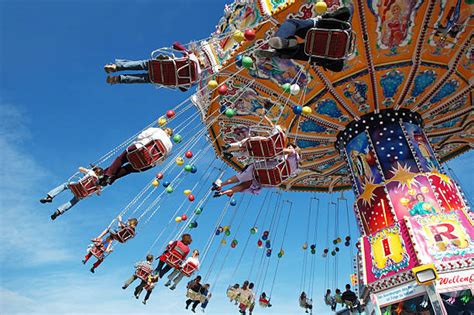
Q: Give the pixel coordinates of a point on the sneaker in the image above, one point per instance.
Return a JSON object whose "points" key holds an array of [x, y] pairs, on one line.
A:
{"points": [[173, 287], [113, 79], [282, 43], [92, 270], [266, 53], [48, 199], [144, 302], [124, 287], [216, 185], [217, 194], [55, 215], [84, 261], [193, 310], [137, 296], [167, 284], [187, 306], [110, 68]]}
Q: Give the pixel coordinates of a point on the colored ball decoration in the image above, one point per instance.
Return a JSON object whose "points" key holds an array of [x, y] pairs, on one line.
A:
{"points": [[184, 217], [347, 243], [305, 246], [230, 112], [320, 7], [333, 253], [268, 244], [269, 252], [212, 84], [348, 238], [313, 246], [238, 36], [297, 110], [326, 250], [286, 87], [170, 113], [249, 34], [179, 161], [259, 243], [159, 175], [193, 225], [313, 251], [334, 241], [234, 241], [247, 62], [177, 138], [162, 121], [325, 255], [193, 169], [294, 89], [191, 198], [233, 202], [266, 233], [226, 228], [187, 192], [227, 232], [281, 253], [253, 230], [223, 242], [188, 154], [222, 90], [338, 240], [169, 189], [178, 219], [198, 211], [307, 110], [337, 249], [155, 183], [166, 184], [188, 168], [238, 60]]}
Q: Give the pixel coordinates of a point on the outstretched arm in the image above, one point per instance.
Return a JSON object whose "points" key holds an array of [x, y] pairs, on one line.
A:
{"points": [[120, 223]]}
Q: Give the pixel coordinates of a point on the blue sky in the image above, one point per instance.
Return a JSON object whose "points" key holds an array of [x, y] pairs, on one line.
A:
{"points": [[57, 113]]}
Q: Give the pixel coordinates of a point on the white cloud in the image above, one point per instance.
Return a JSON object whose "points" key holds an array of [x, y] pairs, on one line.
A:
{"points": [[25, 230]]}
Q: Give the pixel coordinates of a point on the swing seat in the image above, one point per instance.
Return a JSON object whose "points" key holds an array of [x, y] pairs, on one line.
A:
{"points": [[124, 234], [195, 296], [84, 187], [232, 293], [146, 156], [188, 269], [267, 147], [98, 250], [263, 303], [142, 272], [332, 39], [175, 258], [173, 72], [272, 176]]}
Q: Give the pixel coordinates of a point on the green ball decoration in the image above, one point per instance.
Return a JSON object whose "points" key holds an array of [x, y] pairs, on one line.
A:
{"points": [[198, 211], [177, 138], [188, 168], [286, 87], [280, 255], [313, 251], [169, 189], [190, 225], [247, 62], [230, 112], [227, 232], [253, 230]]}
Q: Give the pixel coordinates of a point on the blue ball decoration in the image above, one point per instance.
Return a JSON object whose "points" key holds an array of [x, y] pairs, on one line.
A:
{"points": [[238, 60], [233, 202], [297, 110], [166, 184], [194, 169], [268, 244]]}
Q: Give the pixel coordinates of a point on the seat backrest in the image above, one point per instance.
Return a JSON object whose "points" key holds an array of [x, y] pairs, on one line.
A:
{"points": [[124, 234], [146, 156], [173, 72], [86, 186]]}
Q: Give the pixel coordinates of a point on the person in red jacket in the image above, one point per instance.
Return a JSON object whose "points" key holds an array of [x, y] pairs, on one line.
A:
{"points": [[176, 249]]}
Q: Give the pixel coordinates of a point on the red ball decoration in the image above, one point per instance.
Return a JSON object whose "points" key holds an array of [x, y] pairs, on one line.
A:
{"points": [[170, 113], [184, 217], [230, 194], [191, 197], [159, 175], [249, 34], [188, 154], [222, 89]]}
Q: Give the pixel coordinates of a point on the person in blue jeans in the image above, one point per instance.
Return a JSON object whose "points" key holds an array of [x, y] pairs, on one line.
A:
{"points": [[96, 172], [140, 65], [285, 45]]}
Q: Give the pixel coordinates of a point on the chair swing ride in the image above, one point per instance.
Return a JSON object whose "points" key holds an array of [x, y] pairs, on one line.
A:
{"points": [[377, 102]]}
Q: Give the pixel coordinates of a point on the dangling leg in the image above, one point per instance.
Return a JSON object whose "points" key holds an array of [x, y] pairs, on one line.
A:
{"points": [[89, 255], [148, 293], [177, 280], [159, 268], [237, 188], [165, 270], [171, 277], [65, 207], [285, 36], [195, 303], [54, 192], [188, 302], [139, 289], [129, 281], [96, 264], [123, 64]]}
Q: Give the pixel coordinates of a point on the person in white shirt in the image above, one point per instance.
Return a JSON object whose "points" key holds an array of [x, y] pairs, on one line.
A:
{"points": [[96, 172], [177, 275], [121, 166]]}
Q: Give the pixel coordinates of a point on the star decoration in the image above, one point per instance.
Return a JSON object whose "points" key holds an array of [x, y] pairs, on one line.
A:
{"points": [[368, 195], [443, 177], [403, 176]]}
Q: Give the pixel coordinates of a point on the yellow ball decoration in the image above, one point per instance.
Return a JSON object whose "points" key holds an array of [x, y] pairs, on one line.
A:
{"points": [[238, 36], [321, 7], [187, 192], [223, 242], [155, 183], [179, 161], [162, 121], [307, 110], [178, 219], [212, 84], [226, 228]]}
